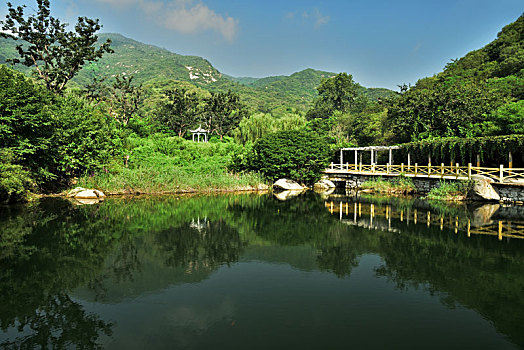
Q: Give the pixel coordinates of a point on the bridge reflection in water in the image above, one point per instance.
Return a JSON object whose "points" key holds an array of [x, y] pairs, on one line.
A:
{"points": [[390, 218]]}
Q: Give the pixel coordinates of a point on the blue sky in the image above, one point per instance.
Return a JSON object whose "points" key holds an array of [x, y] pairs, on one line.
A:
{"points": [[382, 43]]}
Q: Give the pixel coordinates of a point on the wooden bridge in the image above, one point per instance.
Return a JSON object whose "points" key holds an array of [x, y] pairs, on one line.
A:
{"points": [[366, 215], [446, 172]]}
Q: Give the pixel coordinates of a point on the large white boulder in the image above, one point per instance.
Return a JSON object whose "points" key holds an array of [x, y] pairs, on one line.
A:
{"points": [[286, 185], [482, 189], [83, 193]]}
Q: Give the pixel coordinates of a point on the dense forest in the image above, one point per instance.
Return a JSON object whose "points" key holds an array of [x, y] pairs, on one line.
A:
{"points": [[115, 113]]}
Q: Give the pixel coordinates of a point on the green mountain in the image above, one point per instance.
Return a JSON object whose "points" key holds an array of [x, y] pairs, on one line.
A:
{"points": [[501, 58], [481, 94], [148, 63]]}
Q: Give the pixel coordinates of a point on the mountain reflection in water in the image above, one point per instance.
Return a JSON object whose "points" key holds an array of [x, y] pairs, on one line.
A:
{"points": [[226, 270]]}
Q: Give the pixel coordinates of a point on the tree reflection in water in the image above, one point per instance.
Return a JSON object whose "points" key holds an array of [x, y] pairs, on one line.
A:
{"points": [[51, 249]]}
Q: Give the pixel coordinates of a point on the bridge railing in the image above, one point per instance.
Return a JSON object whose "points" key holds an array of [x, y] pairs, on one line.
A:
{"points": [[456, 171]]}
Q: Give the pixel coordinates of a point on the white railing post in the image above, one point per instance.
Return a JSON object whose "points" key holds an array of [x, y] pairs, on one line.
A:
{"points": [[416, 169], [331, 165], [469, 170], [501, 173], [442, 170], [457, 170]]}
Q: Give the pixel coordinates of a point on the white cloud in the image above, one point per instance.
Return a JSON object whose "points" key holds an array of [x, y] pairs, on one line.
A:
{"points": [[184, 16], [119, 2], [199, 18], [319, 18], [315, 17]]}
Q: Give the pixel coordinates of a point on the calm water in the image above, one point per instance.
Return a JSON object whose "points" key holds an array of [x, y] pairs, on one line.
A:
{"points": [[255, 272]]}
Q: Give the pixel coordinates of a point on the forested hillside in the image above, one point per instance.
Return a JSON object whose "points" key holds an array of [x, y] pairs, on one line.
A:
{"points": [[148, 63], [480, 94]]}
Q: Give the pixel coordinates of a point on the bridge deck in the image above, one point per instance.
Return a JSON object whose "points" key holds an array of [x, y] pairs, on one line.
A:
{"points": [[455, 172]]}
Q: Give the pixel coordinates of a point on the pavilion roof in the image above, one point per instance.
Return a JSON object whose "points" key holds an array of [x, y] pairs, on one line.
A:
{"points": [[198, 130]]}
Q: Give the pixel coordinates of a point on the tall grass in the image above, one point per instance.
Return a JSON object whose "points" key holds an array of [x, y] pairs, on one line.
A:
{"points": [[398, 185], [170, 164]]}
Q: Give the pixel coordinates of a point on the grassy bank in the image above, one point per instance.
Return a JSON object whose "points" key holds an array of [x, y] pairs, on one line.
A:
{"points": [[450, 191], [398, 185], [161, 164]]}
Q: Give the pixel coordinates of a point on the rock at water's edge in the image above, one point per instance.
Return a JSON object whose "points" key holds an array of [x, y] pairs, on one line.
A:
{"points": [[482, 189], [83, 193], [286, 184], [323, 185]]}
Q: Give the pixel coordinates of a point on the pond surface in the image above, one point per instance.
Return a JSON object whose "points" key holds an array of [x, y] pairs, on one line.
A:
{"points": [[254, 272]]}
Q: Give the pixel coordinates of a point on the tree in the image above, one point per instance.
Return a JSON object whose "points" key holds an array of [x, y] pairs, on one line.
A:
{"points": [[56, 54], [339, 93], [223, 112], [125, 99], [52, 136], [180, 111], [298, 155]]}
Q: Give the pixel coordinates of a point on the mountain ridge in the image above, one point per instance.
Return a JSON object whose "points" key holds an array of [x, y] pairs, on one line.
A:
{"points": [[146, 63]]}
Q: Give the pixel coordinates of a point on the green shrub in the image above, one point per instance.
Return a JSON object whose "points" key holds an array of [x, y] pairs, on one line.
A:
{"points": [[53, 137], [298, 155], [15, 182], [450, 191]]}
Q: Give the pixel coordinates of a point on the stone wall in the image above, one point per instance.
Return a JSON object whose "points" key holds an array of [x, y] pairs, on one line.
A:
{"points": [[422, 185], [509, 192]]}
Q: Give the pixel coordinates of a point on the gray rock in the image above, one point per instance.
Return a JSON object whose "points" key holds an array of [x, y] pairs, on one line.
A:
{"points": [[323, 185], [482, 189], [286, 184]]}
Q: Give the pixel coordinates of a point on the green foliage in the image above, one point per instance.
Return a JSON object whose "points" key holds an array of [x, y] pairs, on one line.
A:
{"points": [[223, 112], [179, 112], [15, 182], [298, 155], [84, 139], [397, 185], [56, 54], [433, 108], [450, 191], [53, 137], [124, 99], [365, 128], [259, 125], [506, 120], [464, 99], [339, 93], [493, 150], [163, 163]]}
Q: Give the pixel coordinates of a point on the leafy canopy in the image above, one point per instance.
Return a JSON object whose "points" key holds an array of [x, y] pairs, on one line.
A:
{"points": [[298, 155], [56, 54]]}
